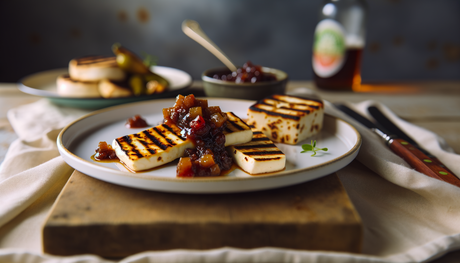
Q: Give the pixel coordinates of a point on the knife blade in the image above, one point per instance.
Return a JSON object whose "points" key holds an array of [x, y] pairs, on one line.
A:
{"points": [[404, 149], [381, 119]]}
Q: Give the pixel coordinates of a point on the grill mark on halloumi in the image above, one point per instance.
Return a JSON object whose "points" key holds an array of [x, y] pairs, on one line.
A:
{"points": [[267, 159], [260, 139], [273, 104], [146, 146], [270, 111], [291, 103], [170, 142], [313, 106], [234, 123], [96, 60], [127, 138], [294, 99], [155, 140], [263, 152], [300, 107], [250, 146], [293, 109], [141, 139], [144, 143], [127, 148], [176, 131]]}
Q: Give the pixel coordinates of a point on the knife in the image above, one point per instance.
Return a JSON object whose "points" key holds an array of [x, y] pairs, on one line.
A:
{"points": [[404, 149], [383, 120]]}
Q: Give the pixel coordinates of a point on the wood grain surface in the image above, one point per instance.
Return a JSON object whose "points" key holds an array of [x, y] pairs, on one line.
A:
{"points": [[92, 216]]}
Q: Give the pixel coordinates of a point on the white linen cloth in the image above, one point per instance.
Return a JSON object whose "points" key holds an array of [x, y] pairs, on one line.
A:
{"points": [[407, 216]]}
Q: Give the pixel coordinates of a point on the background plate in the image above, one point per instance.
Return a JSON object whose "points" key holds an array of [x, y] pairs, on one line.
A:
{"points": [[78, 141], [44, 84]]}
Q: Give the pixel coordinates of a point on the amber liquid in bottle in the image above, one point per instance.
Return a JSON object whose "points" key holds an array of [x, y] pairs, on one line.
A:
{"points": [[347, 77]]}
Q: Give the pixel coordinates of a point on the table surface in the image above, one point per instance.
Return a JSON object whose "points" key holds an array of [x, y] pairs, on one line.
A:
{"points": [[434, 105]]}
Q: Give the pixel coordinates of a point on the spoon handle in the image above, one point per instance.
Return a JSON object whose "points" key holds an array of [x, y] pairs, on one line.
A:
{"points": [[192, 29]]}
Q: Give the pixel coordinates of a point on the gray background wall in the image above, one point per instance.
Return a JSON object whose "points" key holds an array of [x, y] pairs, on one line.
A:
{"points": [[406, 39]]}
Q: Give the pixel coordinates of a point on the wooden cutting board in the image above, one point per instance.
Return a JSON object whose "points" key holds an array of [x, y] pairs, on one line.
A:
{"points": [[92, 216]]}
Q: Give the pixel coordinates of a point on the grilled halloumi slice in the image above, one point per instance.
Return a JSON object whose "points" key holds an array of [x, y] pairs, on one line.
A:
{"points": [[114, 89], [95, 68], [258, 156], [237, 131], [151, 147], [164, 143], [68, 87], [287, 119]]}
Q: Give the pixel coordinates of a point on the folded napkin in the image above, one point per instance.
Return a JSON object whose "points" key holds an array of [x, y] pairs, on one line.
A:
{"points": [[33, 173], [407, 216]]}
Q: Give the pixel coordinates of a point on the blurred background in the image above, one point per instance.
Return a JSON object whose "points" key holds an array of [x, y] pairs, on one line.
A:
{"points": [[406, 39]]}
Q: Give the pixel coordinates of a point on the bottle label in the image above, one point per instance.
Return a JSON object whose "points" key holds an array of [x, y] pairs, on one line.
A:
{"points": [[328, 48]]}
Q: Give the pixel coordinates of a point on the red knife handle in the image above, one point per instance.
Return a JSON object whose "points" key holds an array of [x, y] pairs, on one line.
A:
{"points": [[422, 163]]}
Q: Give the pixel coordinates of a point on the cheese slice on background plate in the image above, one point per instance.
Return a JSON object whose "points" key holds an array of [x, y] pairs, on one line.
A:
{"points": [[95, 68], [68, 87]]}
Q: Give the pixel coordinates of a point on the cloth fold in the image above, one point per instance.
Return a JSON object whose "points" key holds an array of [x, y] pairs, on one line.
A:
{"points": [[407, 216]]}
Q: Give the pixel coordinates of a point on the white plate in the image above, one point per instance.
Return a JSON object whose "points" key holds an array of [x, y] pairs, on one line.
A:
{"points": [[78, 141], [44, 84]]}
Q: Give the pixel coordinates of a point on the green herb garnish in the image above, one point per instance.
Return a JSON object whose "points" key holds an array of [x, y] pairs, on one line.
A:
{"points": [[312, 147]]}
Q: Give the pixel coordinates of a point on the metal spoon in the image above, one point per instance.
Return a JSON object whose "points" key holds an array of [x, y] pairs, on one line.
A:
{"points": [[192, 29]]}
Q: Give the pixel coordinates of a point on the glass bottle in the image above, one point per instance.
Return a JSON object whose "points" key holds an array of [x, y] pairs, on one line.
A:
{"points": [[338, 44]]}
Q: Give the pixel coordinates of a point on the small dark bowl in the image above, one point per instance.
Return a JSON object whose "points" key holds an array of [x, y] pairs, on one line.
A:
{"points": [[249, 91]]}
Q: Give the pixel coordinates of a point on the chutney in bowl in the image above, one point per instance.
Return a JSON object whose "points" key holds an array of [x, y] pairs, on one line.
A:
{"points": [[248, 82]]}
